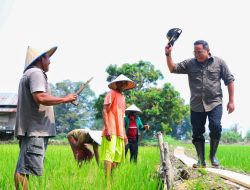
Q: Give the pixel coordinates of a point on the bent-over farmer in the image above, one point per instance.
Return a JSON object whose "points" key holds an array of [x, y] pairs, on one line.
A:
{"points": [[83, 142]]}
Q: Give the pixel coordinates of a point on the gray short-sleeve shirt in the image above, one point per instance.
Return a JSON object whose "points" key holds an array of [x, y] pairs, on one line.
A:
{"points": [[205, 81], [33, 119]]}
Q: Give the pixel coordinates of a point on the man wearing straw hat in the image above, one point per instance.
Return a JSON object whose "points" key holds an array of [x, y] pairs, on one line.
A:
{"points": [[35, 121], [112, 150], [80, 139], [133, 125]]}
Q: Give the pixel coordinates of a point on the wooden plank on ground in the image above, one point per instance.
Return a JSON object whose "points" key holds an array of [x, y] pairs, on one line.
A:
{"points": [[241, 179]]}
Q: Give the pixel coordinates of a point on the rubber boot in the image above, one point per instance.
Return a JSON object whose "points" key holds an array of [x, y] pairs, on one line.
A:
{"points": [[200, 149], [214, 143]]}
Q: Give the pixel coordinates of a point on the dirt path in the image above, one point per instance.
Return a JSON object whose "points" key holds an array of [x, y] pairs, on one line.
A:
{"points": [[186, 178]]}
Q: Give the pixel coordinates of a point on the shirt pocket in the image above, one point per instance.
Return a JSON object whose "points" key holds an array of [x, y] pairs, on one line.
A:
{"points": [[213, 74], [195, 74]]}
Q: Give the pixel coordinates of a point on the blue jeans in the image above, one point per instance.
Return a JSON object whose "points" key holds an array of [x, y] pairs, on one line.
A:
{"points": [[198, 121]]}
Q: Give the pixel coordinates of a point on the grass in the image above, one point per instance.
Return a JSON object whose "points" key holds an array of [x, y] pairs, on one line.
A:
{"points": [[231, 156], [235, 157], [61, 171]]}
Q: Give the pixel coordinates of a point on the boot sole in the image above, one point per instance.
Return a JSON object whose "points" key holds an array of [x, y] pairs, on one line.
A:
{"points": [[198, 166]]}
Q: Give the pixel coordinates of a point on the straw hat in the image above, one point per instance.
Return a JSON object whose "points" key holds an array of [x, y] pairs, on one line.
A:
{"points": [[96, 136], [134, 108], [33, 54], [131, 84]]}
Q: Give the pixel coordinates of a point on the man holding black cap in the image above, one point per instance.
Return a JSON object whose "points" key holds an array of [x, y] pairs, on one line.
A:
{"points": [[205, 72]]}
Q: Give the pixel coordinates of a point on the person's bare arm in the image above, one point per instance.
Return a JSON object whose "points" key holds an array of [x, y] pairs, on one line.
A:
{"points": [[72, 141], [106, 121], [95, 148], [230, 105], [49, 100], [169, 60], [146, 127]]}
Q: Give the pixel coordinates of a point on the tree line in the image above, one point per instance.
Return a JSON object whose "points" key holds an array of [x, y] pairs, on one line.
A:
{"points": [[163, 107]]}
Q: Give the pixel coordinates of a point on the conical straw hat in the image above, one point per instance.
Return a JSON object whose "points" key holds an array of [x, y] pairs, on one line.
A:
{"points": [[131, 84], [134, 108], [33, 54], [96, 136]]}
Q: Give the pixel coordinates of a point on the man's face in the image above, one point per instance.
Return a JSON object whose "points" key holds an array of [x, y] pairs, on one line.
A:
{"points": [[133, 113], [45, 63], [121, 85], [200, 53]]}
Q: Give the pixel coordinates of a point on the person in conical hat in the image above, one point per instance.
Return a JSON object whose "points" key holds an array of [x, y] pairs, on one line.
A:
{"points": [[80, 139], [122, 79], [32, 55], [35, 122], [112, 150], [133, 125], [133, 108]]}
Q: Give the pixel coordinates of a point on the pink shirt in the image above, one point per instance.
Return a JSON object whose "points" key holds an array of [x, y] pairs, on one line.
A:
{"points": [[115, 114]]}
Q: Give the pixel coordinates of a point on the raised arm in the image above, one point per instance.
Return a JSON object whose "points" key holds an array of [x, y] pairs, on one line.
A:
{"points": [[169, 60]]}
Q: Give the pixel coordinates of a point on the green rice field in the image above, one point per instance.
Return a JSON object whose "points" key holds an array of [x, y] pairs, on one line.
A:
{"points": [[62, 173], [235, 157], [231, 157]]}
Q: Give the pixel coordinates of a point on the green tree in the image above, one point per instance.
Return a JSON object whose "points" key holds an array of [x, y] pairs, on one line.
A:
{"points": [[98, 105], [69, 116], [232, 135], [98, 124], [163, 108], [184, 130], [247, 137], [142, 73]]}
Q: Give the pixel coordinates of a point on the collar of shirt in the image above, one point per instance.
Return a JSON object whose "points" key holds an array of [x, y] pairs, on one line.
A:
{"points": [[209, 60]]}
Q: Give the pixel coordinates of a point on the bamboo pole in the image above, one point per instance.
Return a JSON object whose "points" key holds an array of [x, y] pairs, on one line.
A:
{"points": [[166, 170]]}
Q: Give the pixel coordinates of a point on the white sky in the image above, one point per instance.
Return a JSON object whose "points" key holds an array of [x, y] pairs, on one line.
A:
{"points": [[90, 35]]}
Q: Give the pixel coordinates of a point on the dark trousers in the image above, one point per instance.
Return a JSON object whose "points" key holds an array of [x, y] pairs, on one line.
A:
{"points": [[198, 121], [133, 147]]}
